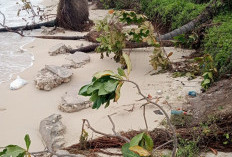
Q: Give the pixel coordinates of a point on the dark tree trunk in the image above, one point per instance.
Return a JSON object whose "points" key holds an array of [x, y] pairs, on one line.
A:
{"points": [[73, 14]]}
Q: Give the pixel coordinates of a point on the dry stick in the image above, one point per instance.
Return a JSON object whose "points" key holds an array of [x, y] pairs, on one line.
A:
{"points": [[59, 37], [104, 134], [7, 28], [165, 113], [144, 116], [159, 147]]}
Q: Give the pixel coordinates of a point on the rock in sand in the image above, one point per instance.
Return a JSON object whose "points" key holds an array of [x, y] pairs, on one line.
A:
{"points": [[52, 76], [52, 132], [71, 102], [78, 59], [59, 49]]}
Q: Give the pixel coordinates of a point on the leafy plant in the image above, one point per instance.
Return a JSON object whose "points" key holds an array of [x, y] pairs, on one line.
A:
{"points": [[114, 37], [185, 41], [187, 148], [140, 145], [206, 63], [16, 151], [106, 86]]}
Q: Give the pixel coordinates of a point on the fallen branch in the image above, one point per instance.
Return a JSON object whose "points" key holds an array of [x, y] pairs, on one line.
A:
{"points": [[117, 135], [91, 48], [29, 27], [59, 37]]}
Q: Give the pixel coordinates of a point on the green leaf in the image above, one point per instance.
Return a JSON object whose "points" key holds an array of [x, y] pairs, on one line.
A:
{"points": [[126, 152], [206, 81], [121, 72], [94, 96], [13, 151], [27, 141], [102, 90], [111, 85], [135, 140], [210, 74], [128, 63], [96, 85], [83, 91], [148, 142], [99, 102]]}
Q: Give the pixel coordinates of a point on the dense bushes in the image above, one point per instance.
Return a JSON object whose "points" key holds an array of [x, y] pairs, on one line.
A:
{"points": [[121, 4], [218, 43], [172, 12]]}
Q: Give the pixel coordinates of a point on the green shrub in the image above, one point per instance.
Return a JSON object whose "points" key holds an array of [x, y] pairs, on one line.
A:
{"points": [[173, 12], [121, 4], [218, 43]]}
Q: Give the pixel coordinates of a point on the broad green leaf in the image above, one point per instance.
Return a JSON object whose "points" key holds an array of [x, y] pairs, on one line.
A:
{"points": [[121, 72], [102, 91], [140, 150], [13, 151], [135, 140], [111, 85], [126, 152], [117, 91], [107, 104], [99, 102], [104, 73], [83, 91], [94, 96], [27, 141], [148, 142], [96, 85], [206, 81], [128, 63], [210, 74]]}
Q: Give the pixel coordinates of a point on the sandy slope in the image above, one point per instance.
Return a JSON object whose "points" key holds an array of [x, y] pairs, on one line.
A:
{"points": [[25, 108]]}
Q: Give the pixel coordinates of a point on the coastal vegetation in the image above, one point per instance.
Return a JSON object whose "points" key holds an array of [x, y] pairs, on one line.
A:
{"points": [[185, 134]]}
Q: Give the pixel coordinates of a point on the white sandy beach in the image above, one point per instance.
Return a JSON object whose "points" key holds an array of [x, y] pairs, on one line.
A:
{"points": [[26, 107]]}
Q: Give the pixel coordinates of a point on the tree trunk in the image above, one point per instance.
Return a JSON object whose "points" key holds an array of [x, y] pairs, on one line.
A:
{"points": [[73, 14]]}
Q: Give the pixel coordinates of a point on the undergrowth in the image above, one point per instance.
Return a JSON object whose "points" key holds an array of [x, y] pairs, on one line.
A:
{"points": [[218, 43], [172, 12]]}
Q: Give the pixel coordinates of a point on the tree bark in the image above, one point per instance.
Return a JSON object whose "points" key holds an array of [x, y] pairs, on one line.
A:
{"points": [[73, 14]]}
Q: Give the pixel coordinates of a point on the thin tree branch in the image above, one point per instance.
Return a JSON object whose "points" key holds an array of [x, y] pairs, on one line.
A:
{"points": [[104, 134], [113, 128], [159, 147], [144, 116]]}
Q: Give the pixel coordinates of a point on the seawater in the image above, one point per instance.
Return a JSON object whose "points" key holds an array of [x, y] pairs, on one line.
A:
{"points": [[13, 58]]}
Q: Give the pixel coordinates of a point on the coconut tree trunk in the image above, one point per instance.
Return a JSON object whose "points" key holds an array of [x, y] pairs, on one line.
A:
{"points": [[73, 14]]}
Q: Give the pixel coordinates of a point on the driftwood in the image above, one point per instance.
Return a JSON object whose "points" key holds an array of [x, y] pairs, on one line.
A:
{"points": [[29, 27], [92, 47], [203, 17], [60, 37]]}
